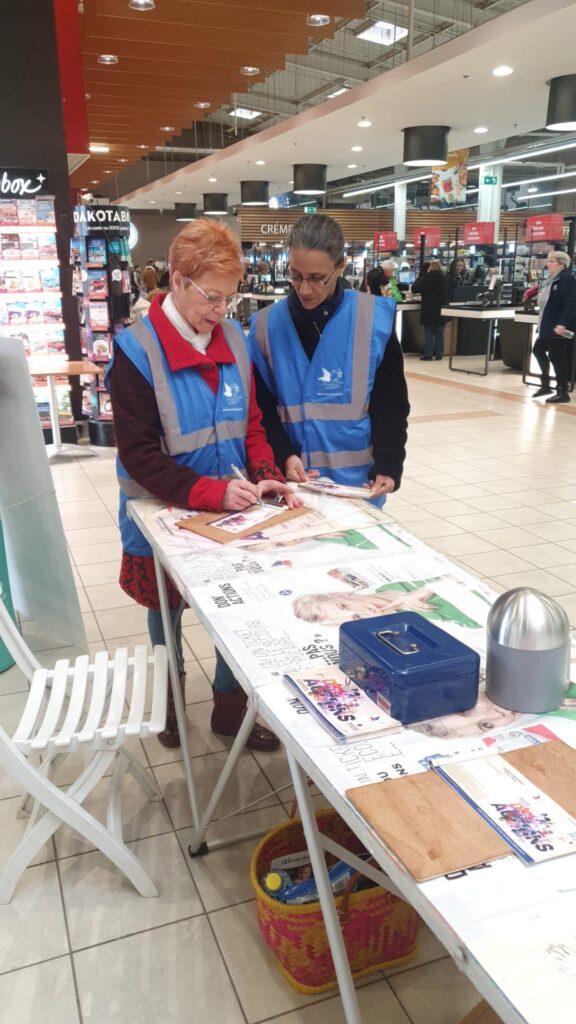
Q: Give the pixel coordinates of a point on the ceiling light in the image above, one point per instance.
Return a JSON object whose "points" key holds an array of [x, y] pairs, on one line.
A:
{"points": [[141, 146], [254, 193], [533, 189], [142, 5], [151, 202], [212, 179], [383, 33], [425, 145], [502, 71], [95, 181], [122, 159], [561, 113], [356, 149], [98, 147], [202, 104], [559, 192], [249, 71], [318, 20], [245, 113], [107, 172], [480, 130], [107, 58], [338, 92], [260, 163], [309, 179], [384, 185], [352, 167], [364, 123], [167, 128], [540, 179], [215, 204], [185, 211], [177, 193], [544, 151]]}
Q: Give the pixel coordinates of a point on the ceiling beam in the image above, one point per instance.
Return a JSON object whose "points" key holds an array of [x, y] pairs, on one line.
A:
{"points": [[164, 49]]}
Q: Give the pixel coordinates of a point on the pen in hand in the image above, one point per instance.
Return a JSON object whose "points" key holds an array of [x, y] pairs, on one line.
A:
{"points": [[240, 475]]}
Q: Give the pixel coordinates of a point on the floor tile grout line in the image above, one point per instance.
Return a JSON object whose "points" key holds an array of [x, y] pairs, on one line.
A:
{"points": [[68, 937]]}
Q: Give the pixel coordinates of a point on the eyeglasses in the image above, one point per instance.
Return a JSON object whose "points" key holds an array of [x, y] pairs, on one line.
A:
{"points": [[212, 300], [314, 280]]}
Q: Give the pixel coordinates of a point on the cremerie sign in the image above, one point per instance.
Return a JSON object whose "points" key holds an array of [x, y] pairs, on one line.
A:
{"points": [[23, 184], [92, 220], [275, 229]]}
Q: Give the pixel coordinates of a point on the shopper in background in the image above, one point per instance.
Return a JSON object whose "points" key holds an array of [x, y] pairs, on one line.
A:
{"points": [[556, 326], [456, 275], [433, 286], [375, 281], [390, 287], [150, 278], [330, 378], [185, 412]]}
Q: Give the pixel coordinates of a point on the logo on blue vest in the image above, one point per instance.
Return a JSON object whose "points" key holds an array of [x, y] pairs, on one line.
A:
{"points": [[331, 380], [232, 395]]}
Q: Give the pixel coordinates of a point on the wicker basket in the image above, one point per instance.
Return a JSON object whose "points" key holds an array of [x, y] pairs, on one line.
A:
{"points": [[380, 930]]}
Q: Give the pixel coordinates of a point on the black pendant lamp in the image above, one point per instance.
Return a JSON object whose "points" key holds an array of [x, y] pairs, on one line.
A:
{"points": [[215, 204], [185, 211], [561, 113], [425, 145], [254, 193], [309, 179]]}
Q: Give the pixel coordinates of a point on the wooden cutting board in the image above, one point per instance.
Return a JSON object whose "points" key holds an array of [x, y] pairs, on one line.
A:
{"points": [[433, 831]]}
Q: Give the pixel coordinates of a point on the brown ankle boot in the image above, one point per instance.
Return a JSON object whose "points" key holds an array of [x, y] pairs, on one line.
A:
{"points": [[170, 737], [228, 712]]}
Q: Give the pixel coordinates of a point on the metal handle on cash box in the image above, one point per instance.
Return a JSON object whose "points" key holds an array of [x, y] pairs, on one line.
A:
{"points": [[385, 634]]}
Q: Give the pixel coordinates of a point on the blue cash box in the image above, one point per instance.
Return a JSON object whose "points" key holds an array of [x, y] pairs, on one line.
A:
{"points": [[409, 667]]}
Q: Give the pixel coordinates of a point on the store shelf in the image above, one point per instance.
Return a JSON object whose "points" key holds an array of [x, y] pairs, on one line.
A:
{"points": [[28, 229]]}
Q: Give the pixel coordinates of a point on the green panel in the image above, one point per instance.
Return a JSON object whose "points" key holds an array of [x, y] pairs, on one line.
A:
{"points": [[5, 660]]}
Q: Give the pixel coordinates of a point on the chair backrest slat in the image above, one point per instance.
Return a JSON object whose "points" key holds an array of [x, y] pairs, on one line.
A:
{"points": [[139, 681], [76, 705], [38, 691], [55, 706], [158, 713], [98, 697], [118, 696]]}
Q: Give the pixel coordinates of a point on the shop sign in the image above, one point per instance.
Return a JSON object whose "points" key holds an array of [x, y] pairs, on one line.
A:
{"points": [[479, 232], [275, 229], [547, 228], [90, 220], [385, 241], [15, 181], [432, 237]]}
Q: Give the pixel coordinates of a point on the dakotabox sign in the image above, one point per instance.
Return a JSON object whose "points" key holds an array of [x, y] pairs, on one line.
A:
{"points": [[113, 220], [23, 183]]}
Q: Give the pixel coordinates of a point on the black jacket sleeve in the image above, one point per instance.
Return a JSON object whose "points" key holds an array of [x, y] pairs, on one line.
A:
{"points": [[389, 410], [568, 315], [278, 439]]}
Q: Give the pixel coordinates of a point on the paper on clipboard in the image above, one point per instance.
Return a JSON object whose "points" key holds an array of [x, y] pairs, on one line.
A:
{"points": [[230, 526]]}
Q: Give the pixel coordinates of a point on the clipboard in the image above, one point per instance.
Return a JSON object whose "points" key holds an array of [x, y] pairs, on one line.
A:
{"points": [[212, 524]]}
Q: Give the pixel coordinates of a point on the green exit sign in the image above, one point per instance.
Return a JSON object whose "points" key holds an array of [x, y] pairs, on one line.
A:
{"points": [[489, 179], [310, 209]]}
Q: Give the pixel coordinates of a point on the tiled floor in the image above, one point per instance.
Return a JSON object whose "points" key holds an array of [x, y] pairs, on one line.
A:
{"points": [[490, 481]]}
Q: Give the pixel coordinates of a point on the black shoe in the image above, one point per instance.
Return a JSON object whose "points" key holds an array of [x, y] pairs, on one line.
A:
{"points": [[543, 390], [561, 396], [437, 358], [425, 359]]}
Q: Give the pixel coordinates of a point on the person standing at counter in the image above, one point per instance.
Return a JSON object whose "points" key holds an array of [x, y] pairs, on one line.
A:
{"points": [[434, 288], [329, 371], [185, 414], [556, 324], [456, 275]]}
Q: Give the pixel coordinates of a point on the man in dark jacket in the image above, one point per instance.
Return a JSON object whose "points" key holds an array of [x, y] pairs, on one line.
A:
{"points": [[556, 324], [434, 288]]}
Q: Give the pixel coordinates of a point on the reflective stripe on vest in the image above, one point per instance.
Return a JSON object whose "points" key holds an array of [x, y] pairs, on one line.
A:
{"points": [[177, 443]]}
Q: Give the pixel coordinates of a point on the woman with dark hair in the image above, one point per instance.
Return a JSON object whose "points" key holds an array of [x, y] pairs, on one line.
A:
{"points": [[434, 289], [375, 281], [330, 377]]}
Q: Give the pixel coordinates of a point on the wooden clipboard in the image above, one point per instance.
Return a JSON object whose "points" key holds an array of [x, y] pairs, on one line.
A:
{"points": [[206, 523], [433, 831]]}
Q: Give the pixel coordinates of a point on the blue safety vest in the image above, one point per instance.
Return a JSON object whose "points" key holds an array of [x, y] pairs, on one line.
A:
{"points": [[200, 429], [323, 402]]}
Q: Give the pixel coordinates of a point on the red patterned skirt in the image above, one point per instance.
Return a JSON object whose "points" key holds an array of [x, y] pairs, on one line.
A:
{"points": [[138, 580]]}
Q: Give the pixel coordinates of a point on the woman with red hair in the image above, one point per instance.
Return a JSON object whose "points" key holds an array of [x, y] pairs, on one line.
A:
{"points": [[185, 412]]}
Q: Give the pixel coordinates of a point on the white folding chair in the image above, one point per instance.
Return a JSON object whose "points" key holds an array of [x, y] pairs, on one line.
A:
{"points": [[81, 707]]}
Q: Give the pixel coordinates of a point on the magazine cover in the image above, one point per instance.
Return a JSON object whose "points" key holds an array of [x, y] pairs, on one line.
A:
{"points": [[31, 280], [50, 279], [10, 244], [47, 246], [29, 245], [97, 284], [8, 211], [339, 705], [99, 319], [52, 310], [533, 824], [26, 211], [45, 211], [95, 252]]}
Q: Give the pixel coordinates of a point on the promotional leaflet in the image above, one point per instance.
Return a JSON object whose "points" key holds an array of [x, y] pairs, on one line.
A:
{"points": [[339, 705], [535, 826], [323, 485]]}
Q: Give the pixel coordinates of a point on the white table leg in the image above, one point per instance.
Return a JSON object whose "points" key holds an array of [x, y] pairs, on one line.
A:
{"points": [[57, 449], [179, 704], [337, 947]]}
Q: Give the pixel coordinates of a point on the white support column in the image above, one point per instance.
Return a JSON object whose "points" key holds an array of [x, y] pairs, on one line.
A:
{"points": [[400, 211], [490, 196]]}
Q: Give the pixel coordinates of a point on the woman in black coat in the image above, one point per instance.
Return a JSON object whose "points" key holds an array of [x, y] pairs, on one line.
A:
{"points": [[434, 288], [556, 324]]}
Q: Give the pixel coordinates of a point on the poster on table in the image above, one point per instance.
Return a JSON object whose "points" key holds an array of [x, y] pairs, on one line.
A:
{"points": [[449, 182]]}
